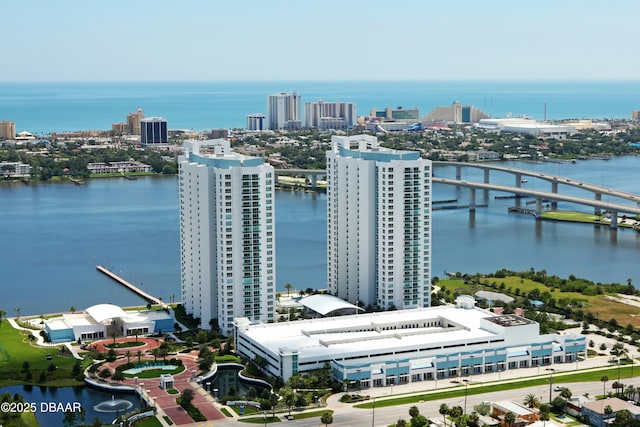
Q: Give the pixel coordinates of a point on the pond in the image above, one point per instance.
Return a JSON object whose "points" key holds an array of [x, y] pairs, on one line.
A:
{"points": [[97, 404], [227, 377]]}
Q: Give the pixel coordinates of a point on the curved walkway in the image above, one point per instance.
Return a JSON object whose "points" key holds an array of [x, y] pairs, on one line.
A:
{"points": [[149, 389], [40, 339], [148, 344]]}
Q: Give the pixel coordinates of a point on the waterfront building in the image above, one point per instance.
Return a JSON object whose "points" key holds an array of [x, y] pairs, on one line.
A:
{"points": [[256, 122], [102, 320], [284, 111], [330, 115], [635, 115], [118, 167], [227, 234], [401, 346], [456, 113], [153, 130], [7, 130], [15, 170], [378, 224], [133, 122]]}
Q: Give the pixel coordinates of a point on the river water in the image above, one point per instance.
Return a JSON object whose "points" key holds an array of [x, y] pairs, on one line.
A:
{"points": [[53, 236]]}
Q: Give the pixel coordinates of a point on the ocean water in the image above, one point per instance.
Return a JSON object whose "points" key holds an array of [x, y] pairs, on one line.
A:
{"points": [[47, 107]]}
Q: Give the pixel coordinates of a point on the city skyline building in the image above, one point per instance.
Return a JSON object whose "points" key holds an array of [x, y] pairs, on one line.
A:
{"points": [[7, 129], [284, 111], [256, 122], [378, 224], [456, 113], [330, 115], [227, 234], [133, 121], [400, 113], [153, 130]]}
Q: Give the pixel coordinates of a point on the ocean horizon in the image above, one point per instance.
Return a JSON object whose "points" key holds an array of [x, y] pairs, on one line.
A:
{"points": [[44, 107]]}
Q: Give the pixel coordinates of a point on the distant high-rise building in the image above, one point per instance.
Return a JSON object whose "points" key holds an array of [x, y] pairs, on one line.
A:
{"points": [[133, 121], [378, 224], [256, 121], [227, 234], [284, 111], [635, 115], [120, 128], [330, 115], [402, 114], [153, 130], [7, 130], [456, 113]]}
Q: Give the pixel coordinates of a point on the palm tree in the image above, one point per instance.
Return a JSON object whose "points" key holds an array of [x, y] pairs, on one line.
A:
{"points": [[288, 287], [444, 410], [18, 312], [128, 355], [565, 393], [414, 411], [326, 419], [139, 354], [544, 417], [604, 380], [2, 314], [510, 418], [531, 400]]}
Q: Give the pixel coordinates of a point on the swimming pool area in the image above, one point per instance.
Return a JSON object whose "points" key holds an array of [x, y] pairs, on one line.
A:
{"points": [[148, 367]]}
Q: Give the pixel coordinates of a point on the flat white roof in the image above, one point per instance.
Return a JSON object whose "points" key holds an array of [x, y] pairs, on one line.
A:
{"points": [[327, 338]]}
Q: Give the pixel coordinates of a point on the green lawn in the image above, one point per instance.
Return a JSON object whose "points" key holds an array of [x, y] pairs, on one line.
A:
{"points": [[560, 378], [16, 349]]}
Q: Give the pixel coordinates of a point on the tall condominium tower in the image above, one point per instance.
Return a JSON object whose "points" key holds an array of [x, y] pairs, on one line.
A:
{"points": [[330, 115], [378, 224], [133, 121], [284, 111], [227, 234]]}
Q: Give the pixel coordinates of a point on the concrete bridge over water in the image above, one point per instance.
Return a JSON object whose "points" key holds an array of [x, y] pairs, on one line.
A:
{"points": [[554, 195]]}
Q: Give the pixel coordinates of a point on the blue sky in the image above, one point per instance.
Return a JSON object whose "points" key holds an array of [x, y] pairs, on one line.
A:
{"points": [[118, 40]]}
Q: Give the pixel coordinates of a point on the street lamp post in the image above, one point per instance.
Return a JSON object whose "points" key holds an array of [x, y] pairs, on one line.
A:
{"points": [[618, 385], [466, 390], [373, 412], [264, 414], [551, 370]]}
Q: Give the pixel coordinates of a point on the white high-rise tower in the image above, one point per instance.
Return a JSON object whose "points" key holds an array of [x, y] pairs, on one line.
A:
{"points": [[378, 224], [227, 234]]}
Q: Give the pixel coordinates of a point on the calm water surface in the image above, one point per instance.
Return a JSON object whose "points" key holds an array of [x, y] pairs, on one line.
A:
{"points": [[55, 234]]}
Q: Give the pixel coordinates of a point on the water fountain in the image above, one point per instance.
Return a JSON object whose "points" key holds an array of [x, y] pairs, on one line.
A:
{"points": [[113, 405]]}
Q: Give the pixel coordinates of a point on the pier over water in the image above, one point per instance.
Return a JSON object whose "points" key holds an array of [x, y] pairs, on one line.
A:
{"points": [[147, 297]]}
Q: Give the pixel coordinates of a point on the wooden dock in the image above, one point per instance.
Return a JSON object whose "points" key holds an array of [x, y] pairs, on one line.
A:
{"points": [[147, 297]]}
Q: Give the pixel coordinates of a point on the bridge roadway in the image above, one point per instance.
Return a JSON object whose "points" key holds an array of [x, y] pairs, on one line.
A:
{"points": [[614, 208], [598, 190]]}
